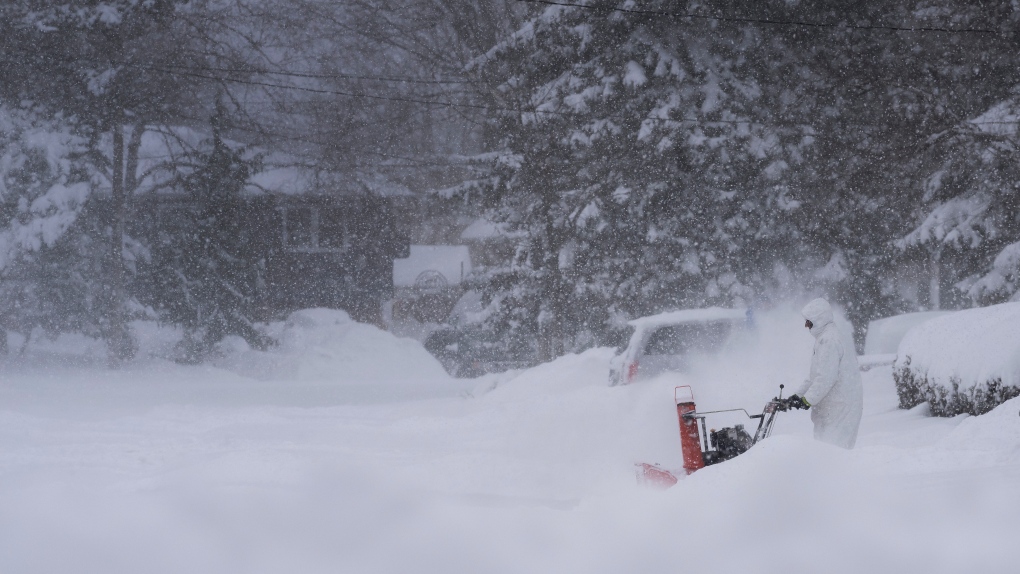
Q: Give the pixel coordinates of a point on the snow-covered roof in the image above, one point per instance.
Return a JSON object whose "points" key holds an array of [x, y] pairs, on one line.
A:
{"points": [[482, 228], [431, 266], [690, 316], [288, 180], [969, 347], [164, 155]]}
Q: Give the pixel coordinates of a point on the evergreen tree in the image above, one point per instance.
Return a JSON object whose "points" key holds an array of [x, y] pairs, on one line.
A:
{"points": [[48, 274], [100, 62], [204, 271], [647, 167], [970, 215], [653, 160]]}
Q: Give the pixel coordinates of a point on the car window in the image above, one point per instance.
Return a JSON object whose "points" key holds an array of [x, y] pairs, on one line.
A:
{"points": [[619, 338], [681, 339]]}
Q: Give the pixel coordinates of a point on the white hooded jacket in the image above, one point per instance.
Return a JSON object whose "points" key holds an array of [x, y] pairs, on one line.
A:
{"points": [[834, 388]]}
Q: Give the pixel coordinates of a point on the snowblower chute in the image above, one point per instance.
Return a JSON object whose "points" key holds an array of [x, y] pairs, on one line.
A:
{"points": [[701, 447]]}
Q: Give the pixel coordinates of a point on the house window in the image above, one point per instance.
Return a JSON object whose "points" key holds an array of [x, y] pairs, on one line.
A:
{"points": [[313, 229], [299, 230], [330, 232]]}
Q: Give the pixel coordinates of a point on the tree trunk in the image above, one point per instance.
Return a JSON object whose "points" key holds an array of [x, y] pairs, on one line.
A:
{"points": [[131, 169], [935, 281], [119, 343]]}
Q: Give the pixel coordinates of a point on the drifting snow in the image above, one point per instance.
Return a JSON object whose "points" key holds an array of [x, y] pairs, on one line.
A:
{"points": [[690, 316], [996, 432], [161, 468]]}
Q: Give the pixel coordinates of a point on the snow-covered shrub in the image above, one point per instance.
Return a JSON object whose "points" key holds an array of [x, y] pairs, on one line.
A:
{"points": [[964, 362]]}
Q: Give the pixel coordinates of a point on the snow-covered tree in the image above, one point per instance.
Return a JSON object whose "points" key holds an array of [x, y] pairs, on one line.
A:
{"points": [[204, 268], [44, 185], [43, 182], [668, 154], [649, 165], [971, 209], [103, 63]]}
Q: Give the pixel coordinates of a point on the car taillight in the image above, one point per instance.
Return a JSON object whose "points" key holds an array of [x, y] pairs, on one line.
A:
{"points": [[631, 373]]}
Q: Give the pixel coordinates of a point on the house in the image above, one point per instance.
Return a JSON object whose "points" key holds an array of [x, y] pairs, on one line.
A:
{"points": [[319, 250], [327, 239]]}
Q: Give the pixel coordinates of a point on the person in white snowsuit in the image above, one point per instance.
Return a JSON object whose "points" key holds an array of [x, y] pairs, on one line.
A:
{"points": [[833, 390]]}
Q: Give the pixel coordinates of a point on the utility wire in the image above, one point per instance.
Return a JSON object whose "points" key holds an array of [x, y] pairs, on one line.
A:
{"points": [[336, 76], [767, 20], [440, 103], [536, 111]]}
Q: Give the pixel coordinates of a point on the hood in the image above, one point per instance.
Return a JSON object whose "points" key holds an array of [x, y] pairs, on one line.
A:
{"points": [[819, 312]]}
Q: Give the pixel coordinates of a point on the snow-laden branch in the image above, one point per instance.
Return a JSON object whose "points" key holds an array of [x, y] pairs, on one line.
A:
{"points": [[958, 222]]}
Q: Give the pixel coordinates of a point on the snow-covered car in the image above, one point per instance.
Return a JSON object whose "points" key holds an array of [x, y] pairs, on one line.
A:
{"points": [[470, 352], [668, 342]]}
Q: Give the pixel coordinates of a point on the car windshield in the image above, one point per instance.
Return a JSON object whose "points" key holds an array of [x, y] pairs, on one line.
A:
{"points": [[688, 337]]}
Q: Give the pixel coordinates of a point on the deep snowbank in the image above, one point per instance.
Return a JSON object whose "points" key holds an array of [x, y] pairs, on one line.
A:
{"points": [[533, 472], [964, 362], [327, 345], [997, 431]]}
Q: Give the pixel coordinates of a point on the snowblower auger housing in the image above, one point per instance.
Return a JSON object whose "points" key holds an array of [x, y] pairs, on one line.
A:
{"points": [[701, 447]]}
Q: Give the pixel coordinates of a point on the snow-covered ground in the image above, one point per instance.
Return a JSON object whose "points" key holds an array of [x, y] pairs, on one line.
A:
{"points": [[248, 467]]}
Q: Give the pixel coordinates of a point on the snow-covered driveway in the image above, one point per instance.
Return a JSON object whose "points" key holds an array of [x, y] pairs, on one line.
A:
{"points": [[162, 468]]}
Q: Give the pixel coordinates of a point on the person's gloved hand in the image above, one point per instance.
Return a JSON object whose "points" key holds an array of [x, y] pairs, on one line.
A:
{"points": [[798, 402]]}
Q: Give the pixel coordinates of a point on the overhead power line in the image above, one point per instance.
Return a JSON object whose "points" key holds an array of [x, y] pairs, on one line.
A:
{"points": [[440, 103], [335, 76], [536, 111], [189, 72], [770, 21]]}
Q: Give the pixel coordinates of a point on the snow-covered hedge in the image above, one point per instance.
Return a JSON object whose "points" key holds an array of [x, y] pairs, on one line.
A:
{"points": [[964, 362]]}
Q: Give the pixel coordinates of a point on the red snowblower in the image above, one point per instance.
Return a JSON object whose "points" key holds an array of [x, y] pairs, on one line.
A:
{"points": [[702, 447]]}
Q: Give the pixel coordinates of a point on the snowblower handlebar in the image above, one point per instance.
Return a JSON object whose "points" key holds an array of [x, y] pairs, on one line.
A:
{"points": [[777, 403], [793, 402], [765, 420], [701, 414]]}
